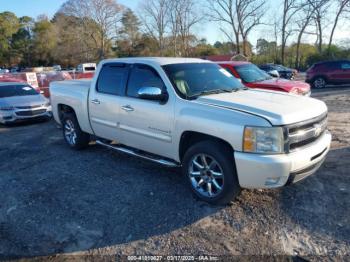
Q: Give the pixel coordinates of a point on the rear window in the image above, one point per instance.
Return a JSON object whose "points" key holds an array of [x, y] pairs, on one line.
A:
{"points": [[90, 68], [17, 90], [112, 79]]}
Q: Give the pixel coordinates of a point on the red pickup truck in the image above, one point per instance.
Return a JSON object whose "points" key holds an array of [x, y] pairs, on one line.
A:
{"points": [[253, 77]]}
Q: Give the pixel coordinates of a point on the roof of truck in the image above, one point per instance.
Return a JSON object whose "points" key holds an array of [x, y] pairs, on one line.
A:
{"points": [[158, 60]]}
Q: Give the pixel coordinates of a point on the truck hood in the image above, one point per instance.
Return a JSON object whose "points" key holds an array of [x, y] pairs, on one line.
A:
{"points": [[286, 85], [277, 108]]}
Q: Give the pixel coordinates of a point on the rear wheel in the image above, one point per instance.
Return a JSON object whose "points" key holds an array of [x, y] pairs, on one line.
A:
{"points": [[319, 83], [210, 171], [72, 133]]}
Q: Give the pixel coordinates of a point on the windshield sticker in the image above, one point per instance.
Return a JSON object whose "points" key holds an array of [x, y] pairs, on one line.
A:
{"points": [[225, 72]]}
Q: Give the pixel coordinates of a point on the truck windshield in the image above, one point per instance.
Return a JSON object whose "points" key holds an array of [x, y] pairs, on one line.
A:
{"points": [[250, 73], [17, 90], [197, 79]]}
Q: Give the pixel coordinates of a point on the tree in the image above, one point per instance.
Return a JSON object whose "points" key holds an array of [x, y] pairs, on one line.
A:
{"points": [[99, 18], [155, 17], [22, 42], [129, 35], [343, 5], [184, 15], [74, 44], [249, 15], [224, 11], [44, 40], [321, 8], [305, 18], [290, 8], [9, 25]]}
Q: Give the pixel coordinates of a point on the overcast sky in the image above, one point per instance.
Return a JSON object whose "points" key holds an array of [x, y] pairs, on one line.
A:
{"points": [[210, 31]]}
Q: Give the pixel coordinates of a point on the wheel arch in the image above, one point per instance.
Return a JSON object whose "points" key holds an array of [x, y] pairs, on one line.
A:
{"points": [[189, 138], [62, 109]]}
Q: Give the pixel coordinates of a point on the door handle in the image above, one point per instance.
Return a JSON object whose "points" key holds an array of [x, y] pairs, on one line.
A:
{"points": [[127, 108], [96, 101]]}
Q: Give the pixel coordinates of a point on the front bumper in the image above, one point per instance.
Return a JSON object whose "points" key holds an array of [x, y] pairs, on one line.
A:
{"points": [[272, 171], [18, 115]]}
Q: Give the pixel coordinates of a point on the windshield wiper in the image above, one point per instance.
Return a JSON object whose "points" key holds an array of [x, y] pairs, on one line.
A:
{"points": [[215, 91]]}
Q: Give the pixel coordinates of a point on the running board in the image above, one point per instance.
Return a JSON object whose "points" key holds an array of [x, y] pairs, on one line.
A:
{"points": [[129, 151]]}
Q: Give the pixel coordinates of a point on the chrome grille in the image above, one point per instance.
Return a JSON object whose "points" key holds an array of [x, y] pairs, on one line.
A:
{"points": [[28, 107], [31, 113], [307, 132]]}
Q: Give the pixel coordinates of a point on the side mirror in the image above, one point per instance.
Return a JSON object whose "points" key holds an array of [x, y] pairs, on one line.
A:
{"points": [[274, 73], [152, 93]]}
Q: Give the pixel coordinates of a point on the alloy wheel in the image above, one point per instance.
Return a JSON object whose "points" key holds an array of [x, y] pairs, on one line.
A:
{"points": [[69, 132], [206, 175], [319, 83]]}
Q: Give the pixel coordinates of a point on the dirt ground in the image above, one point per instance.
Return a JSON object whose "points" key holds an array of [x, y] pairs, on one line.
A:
{"points": [[58, 202]]}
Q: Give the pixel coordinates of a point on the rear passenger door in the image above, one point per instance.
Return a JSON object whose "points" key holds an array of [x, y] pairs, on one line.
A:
{"points": [[146, 124], [105, 100]]}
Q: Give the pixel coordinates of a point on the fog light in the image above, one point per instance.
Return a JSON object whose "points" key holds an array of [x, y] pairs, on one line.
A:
{"points": [[272, 181]]}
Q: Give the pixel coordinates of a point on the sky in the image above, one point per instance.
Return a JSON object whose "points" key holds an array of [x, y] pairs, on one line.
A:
{"points": [[210, 31]]}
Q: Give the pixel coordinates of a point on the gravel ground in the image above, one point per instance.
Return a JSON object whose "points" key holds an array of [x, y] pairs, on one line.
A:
{"points": [[57, 202]]}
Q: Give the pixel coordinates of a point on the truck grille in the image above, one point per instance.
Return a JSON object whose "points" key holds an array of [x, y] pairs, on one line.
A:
{"points": [[302, 134], [31, 113]]}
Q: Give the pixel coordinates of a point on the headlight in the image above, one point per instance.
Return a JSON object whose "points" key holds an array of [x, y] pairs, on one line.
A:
{"points": [[47, 104], [7, 108], [263, 140], [296, 91]]}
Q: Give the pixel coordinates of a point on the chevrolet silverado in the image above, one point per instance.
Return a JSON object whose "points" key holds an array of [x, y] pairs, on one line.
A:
{"points": [[194, 114]]}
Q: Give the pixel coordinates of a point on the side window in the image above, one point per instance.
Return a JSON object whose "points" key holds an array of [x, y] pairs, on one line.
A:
{"points": [[333, 66], [112, 79], [345, 65], [143, 76]]}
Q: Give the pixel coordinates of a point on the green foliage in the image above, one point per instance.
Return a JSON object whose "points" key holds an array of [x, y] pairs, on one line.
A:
{"points": [[69, 40]]}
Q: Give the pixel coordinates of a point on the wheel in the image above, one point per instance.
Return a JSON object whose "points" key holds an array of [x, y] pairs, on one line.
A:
{"points": [[319, 83], [211, 173], [72, 133]]}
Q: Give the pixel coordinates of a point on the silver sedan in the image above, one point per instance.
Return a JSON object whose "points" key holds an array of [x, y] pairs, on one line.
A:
{"points": [[20, 101]]}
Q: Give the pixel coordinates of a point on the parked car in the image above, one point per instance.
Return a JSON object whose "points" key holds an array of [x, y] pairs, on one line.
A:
{"points": [[4, 71], [194, 114], [57, 68], [253, 77], [19, 101], [330, 72], [284, 72], [86, 68]]}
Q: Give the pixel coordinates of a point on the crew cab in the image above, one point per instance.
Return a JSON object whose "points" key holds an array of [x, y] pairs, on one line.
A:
{"points": [[253, 77], [194, 114]]}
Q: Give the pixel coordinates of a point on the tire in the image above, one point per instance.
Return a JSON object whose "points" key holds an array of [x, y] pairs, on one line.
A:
{"points": [[319, 82], [72, 133], [219, 160]]}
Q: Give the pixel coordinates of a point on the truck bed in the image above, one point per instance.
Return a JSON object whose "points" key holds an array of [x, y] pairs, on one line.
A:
{"points": [[73, 93]]}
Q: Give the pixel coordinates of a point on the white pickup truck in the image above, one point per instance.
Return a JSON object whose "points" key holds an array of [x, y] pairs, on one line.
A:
{"points": [[194, 114]]}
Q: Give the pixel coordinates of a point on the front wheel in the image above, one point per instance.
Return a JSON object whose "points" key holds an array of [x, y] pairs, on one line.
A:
{"points": [[72, 133], [319, 83], [210, 171]]}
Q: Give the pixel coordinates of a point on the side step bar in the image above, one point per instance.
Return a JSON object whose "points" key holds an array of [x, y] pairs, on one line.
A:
{"points": [[129, 151]]}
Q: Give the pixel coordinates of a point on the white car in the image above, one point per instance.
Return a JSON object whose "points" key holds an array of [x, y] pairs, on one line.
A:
{"points": [[194, 114], [20, 101]]}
